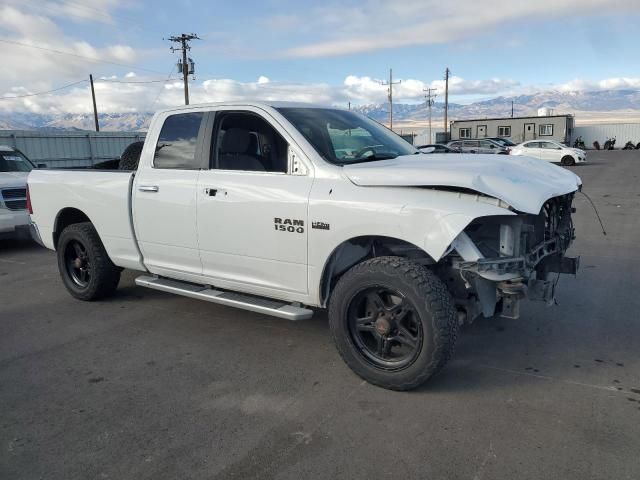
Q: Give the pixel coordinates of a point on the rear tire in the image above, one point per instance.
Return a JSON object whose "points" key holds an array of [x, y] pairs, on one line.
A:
{"points": [[568, 161], [86, 270], [393, 322]]}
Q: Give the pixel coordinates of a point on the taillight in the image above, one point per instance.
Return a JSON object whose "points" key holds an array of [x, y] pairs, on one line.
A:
{"points": [[29, 207]]}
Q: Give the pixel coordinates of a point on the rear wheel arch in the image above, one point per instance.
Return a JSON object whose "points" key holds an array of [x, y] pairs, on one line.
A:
{"points": [[358, 249], [67, 216]]}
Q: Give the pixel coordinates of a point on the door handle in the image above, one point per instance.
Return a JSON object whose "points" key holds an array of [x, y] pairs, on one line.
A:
{"points": [[148, 188], [212, 192]]}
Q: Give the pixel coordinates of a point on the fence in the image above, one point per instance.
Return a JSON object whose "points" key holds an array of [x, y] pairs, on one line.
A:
{"points": [[69, 149]]}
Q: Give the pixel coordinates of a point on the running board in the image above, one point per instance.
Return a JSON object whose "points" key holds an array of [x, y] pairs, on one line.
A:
{"points": [[230, 299]]}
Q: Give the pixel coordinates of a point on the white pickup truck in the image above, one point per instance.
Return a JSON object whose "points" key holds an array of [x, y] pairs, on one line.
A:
{"points": [[281, 208]]}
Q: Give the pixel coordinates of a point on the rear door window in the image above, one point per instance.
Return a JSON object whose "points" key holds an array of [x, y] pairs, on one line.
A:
{"points": [[176, 147]]}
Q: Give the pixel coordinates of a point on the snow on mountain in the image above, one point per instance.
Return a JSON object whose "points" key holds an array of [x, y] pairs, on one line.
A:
{"points": [[76, 121], [595, 106]]}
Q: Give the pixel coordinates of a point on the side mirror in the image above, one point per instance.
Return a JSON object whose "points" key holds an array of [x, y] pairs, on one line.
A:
{"points": [[42, 165], [493, 146]]}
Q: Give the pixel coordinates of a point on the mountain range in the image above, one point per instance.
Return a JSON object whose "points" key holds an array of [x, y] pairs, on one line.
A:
{"points": [[588, 107]]}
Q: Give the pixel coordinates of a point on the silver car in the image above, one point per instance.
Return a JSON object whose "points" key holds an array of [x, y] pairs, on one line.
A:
{"points": [[478, 146]]}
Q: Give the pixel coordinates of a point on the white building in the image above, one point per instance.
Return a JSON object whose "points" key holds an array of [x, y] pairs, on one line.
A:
{"points": [[517, 129]]}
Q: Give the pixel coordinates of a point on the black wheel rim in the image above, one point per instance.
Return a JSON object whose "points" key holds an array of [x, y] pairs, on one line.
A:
{"points": [[385, 328], [77, 263]]}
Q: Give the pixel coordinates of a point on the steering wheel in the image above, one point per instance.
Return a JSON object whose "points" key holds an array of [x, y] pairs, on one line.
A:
{"points": [[360, 153]]}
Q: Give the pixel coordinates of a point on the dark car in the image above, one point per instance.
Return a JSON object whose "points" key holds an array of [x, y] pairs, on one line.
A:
{"points": [[436, 148]]}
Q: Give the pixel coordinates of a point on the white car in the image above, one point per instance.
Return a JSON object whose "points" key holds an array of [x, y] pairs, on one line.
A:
{"points": [[277, 208], [550, 151], [14, 168]]}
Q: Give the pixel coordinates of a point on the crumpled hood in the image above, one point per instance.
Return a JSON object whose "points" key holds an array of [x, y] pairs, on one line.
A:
{"points": [[525, 183], [13, 179]]}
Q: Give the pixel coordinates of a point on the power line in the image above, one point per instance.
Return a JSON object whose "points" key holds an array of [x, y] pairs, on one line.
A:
{"points": [[162, 88], [101, 12], [69, 6], [71, 54], [105, 80], [43, 93]]}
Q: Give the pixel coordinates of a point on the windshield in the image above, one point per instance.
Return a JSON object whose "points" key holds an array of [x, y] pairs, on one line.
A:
{"points": [[14, 162], [343, 137]]}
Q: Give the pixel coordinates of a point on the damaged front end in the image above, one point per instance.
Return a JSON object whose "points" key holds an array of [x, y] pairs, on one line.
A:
{"points": [[497, 261]]}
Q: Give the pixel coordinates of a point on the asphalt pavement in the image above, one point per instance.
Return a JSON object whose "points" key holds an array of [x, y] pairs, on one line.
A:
{"points": [[147, 385]]}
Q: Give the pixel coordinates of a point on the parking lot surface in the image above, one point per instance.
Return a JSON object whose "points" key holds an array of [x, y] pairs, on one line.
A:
{"points": [[147, 385]]}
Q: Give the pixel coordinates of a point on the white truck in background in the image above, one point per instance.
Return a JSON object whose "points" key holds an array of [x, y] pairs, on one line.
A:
{"points": [[281, 208], [14, 169]]}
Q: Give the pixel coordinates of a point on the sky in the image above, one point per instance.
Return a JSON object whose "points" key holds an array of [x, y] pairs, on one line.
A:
{"points": [[326, 51]]}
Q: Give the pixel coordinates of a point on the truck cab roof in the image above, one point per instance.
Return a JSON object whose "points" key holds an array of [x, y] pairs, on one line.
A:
{"points": [[249, 103]]}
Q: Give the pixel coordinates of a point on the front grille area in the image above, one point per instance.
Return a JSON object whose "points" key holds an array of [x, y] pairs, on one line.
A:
{"points": [[557, 216], [18, 193], [14, 198]]}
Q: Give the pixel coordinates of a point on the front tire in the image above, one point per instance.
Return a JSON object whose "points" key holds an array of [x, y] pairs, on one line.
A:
{"points": [[393, 322], [86, 270], [568, 161]]}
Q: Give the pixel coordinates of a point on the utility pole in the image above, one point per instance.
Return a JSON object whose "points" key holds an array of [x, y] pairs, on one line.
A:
{"points": [[447, 72], [349, 105], [95, 110], [511, 108], [390, 83], [430, 101], [186, 67]]}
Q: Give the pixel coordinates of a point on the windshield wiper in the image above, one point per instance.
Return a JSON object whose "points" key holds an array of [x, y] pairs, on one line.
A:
{"points": [[372, 158]]}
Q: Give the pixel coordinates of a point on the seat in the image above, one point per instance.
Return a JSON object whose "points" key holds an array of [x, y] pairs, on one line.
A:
{"points": [[235, 152]]}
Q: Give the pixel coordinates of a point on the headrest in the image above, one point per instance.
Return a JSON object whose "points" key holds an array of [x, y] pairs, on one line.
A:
{"points": [[235, 140]]}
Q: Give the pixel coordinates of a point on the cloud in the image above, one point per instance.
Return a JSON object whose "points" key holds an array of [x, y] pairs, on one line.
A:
{"points": [[96, 11], [350, 27], [38, 67], [115, 95], [617, 83], [368, 90]]}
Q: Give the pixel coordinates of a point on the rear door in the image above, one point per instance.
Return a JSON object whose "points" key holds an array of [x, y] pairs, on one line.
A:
{"points": [[164, 195], [252, 206]]}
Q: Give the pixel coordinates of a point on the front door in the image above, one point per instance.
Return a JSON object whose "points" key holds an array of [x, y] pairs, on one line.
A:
{"points": [[529, 131], [252, 211], [482, 131], [164, 196]]}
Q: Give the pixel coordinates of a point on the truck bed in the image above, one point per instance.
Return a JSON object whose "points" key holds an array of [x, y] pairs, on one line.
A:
{"points": [[102, 195]]}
